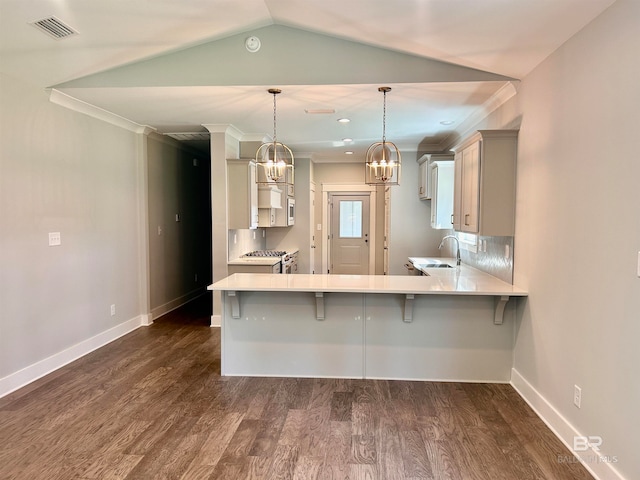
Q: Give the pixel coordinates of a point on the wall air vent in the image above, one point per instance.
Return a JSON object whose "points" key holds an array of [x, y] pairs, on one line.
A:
{"points": [[54, 28]]}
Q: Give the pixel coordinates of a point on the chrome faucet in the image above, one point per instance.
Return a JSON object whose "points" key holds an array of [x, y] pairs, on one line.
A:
{"points": [[457, 247]]}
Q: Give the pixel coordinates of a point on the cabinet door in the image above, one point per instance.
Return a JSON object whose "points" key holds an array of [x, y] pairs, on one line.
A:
{"points": [[242, 194], [457, 192], [470, 188], [253, 196], [442, 179], [423, 181]]}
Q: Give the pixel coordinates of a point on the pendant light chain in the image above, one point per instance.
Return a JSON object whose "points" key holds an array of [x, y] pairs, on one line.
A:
{"points": [[275, 158], [384, 116], [274, 118], [383, 159]]}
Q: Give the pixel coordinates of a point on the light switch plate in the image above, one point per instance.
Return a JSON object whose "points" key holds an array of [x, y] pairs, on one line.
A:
{"points": [[54, 239]]}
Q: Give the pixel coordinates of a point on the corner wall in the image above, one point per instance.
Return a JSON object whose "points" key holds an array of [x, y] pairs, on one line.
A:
{"points": [[578, 236], [61, 171]]}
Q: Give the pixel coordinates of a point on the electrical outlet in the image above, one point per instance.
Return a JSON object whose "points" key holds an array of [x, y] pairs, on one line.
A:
{"points": [[254, 234], [54, 239], [577, 395], [113, 310], [177, 217], [507, 251], [159, 230]]}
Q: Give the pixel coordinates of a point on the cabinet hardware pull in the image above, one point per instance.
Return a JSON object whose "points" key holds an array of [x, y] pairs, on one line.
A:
{"points": [[466, 216], [452, 219]]}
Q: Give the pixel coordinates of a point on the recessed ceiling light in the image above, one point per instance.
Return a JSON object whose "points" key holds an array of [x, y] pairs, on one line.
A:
{"points": [[347, 140], [447, 122], [348, 152], [344, 120]]}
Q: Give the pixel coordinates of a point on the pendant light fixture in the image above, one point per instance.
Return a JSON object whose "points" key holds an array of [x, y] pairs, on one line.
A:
{"points": [[383, 158], [275, 159]]}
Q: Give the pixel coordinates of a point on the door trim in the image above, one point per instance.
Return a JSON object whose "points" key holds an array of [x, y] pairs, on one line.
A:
{"points": [[328, 188]]}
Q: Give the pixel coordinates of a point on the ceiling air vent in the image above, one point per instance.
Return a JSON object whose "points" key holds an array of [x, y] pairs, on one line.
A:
{"points": [[54, 28], [189, 136]]}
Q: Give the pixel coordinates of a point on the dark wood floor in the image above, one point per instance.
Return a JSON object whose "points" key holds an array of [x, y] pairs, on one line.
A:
{"points": [[152, 405]]}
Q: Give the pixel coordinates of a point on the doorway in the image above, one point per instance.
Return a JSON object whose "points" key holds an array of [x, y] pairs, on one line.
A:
{"points": [[350, 192], [349, 242]]}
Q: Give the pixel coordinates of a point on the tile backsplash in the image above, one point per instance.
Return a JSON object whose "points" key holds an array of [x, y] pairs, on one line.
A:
{"points": [[494, 260], [244, 241]]}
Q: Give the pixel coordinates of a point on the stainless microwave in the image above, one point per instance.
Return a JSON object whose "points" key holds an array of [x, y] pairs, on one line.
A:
{"points": [[291, 211]]}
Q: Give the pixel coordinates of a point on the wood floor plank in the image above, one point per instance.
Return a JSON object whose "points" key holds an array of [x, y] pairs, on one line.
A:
{"points": [[341, 406], [414, 456], [308, 468], [363, 450], [152, 405]]}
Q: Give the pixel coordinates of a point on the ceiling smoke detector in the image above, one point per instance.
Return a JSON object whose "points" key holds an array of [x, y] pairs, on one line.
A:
{"points": [[54, 27]]}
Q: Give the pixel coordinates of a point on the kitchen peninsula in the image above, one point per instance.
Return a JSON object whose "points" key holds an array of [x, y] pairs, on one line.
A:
{"points": [[453, 324]]}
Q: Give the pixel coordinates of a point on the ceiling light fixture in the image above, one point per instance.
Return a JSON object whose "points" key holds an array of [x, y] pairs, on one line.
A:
{"points": [[347, 140], [348, 152], [447, 122], [344, 120], [275, 158], [383, 158]]}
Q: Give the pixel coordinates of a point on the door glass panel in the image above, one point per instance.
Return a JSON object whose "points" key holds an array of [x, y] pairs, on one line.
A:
{"points": [[350, 218]]}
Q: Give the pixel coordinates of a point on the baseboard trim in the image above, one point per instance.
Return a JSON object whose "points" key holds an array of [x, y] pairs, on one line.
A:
{"points": [[161, 310], [216, 320], [58, 360], [593, 461]]}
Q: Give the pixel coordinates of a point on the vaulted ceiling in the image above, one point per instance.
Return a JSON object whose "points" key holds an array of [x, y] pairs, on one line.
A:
{"points": [[176, 65]]}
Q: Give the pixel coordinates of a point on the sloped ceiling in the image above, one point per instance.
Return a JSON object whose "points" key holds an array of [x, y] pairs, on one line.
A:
{"points": [[175, 65]]}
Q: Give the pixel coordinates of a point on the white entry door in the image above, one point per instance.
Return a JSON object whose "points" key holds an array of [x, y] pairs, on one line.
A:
{"points": [[349, 238]]}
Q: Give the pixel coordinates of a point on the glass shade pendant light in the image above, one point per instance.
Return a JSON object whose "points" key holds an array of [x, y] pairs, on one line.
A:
{"points": [[383, 159], [275, 159]]}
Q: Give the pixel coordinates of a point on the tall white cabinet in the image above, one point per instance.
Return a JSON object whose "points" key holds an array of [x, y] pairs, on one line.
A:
{"points": [[442, 182], [485, 183], [242, 194]]}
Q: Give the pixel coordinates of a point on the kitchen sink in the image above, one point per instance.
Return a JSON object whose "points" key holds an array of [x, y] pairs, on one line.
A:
{"points": [[436, 265]]}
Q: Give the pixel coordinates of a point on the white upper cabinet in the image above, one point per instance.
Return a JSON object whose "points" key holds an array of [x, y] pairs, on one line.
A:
{"points": [[485, 183], [423, 178], [242, 194], [442, 176], [425, 184], [269, 197]]}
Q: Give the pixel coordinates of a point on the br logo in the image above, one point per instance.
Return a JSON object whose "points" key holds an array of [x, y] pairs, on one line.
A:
{"points": [[582, 444]]}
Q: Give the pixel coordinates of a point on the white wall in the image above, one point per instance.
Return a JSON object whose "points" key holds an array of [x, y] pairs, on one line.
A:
{"points": [[578, 236], [411, 233], [62, 171]]}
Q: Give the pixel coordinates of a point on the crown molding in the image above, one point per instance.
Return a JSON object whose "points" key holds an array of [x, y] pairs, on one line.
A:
{"points": [[468, 126], [227, 129], [80, 106]]}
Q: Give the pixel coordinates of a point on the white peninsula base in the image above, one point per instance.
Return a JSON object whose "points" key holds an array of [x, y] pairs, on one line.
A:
{"points": [[358, 327]]}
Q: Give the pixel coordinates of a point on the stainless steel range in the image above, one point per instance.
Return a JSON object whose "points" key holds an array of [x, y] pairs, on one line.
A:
{"points": [[288, 260], [265, 253]]}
